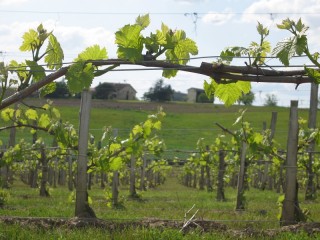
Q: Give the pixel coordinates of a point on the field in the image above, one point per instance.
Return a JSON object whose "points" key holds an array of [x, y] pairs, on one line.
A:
{"points": [[161, 211], [184, 123]]}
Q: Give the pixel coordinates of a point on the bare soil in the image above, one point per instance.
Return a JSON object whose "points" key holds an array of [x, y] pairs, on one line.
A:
{"points": [[196, 225]]}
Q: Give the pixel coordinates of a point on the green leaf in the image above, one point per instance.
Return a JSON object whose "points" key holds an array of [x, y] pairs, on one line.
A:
{"points": [[31, 114], [300, 27], [257, 138], [183, 49], [137, 129], [130, 44], [30, 41], [37, 71], [114, 147], [80, 76], [56, 112], [157, 125], [93, 53], [262, 30], [7, 114], [143, 21], [286, 24], [301, 45], [55, 54], [285, 49], [230, 93], [44, 120], [49, 88], [313, 73], [116, 164]]}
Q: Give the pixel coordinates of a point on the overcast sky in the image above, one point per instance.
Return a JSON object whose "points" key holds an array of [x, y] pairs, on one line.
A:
{"points": [[212, 24]]}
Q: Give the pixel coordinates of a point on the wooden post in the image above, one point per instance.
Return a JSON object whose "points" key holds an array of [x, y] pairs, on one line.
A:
{"points": [[82, 207], [132, 188], [115, 181], [312, 124], [44, 170], [241, 178], [143, 173], [70, 171], [222, 168], [290, 203], [201, 179]]}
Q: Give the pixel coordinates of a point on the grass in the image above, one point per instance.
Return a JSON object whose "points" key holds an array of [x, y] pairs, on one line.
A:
{"points": [[183, 125], [169, 201]]}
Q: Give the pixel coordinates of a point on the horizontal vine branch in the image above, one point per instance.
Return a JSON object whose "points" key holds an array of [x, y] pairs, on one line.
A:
{"points": [[223, 74]]}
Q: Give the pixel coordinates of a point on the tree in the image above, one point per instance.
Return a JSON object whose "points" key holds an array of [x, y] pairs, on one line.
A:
{"points": [[159, 92], [61, 91], [203, 98], [104, 91], [271, 100], [246, 99]]}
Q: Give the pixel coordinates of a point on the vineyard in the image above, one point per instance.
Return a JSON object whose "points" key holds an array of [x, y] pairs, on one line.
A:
{"points": [[169, 181], [158, 169]]}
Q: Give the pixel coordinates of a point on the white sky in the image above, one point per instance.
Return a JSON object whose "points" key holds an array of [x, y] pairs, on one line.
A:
{"points": [[218, 24]]}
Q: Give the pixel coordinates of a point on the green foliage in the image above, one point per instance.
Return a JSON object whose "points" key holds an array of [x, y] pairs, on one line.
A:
{"points": [[55, 54], [4, 197], [295, 45], [130, 43], [227, 93], [247, 99], [61, 91], [271, 100], [94, 52], [80, 76], [174, 44], [313, 73], [159, 92]]}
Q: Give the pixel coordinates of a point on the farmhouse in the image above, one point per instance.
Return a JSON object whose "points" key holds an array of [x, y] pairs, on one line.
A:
{"points": [[193, 94], [123, 91], [120, 91]]}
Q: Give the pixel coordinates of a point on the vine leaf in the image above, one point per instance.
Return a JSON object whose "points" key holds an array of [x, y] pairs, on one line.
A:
{"points": [[44, 120], [130, 44], [30, 39], [179, 49], [227, 93], [297, 44], [143, 21], [49, 88], [36, 70], [80, 76], [314, 74], [55, 54], [31, 114], [93, 53]]}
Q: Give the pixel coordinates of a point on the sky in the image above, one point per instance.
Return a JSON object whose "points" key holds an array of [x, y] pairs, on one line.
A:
{"points": [[212, 24]]}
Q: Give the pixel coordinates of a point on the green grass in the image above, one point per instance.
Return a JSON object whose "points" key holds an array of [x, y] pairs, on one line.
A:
{"points": [[169, 201], [181, 130]]}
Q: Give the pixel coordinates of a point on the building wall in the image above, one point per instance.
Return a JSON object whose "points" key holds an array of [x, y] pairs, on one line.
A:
{"points": [[126, 93], [192, 95]]}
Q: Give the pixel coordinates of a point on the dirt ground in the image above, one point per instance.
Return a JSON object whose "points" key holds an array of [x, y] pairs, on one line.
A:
{"points": [[195, 225]]}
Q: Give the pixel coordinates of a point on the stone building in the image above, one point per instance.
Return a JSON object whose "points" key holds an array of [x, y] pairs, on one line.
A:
{"points": [[193, 94], [123, 91]]}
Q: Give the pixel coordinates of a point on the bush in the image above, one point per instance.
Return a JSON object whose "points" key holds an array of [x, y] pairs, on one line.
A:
{"points": [[4, 196]]}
